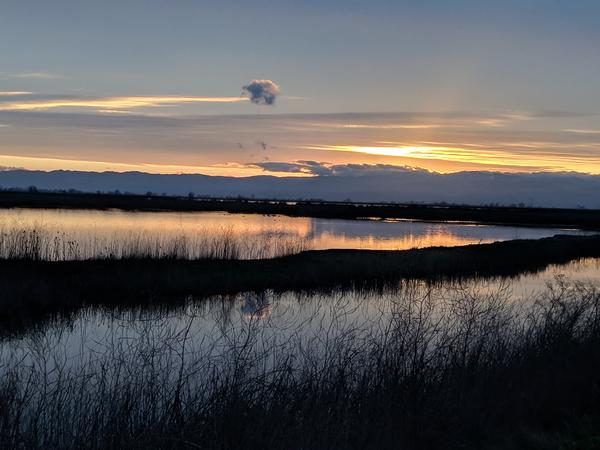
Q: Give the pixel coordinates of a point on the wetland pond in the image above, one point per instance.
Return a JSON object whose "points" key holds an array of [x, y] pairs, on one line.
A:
{"points": [[73, 368], [83, 234]]}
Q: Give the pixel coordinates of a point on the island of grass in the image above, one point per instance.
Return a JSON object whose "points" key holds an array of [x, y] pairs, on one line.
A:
{"points": [[37, 287], [473, 373]]}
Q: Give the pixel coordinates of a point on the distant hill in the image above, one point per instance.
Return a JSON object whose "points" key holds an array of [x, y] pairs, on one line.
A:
{"points": [[568, 190]]}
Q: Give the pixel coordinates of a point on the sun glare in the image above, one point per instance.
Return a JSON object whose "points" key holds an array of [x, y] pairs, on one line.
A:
{"points": [[485, 158]]}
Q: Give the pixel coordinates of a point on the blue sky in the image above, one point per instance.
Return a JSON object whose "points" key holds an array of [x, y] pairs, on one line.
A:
{"points": [[511, 68]]}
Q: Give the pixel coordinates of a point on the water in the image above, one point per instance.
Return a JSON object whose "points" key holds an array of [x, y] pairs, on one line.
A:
{"points": [[205, 333], [213, 325], [139, 363], [77, 234]]}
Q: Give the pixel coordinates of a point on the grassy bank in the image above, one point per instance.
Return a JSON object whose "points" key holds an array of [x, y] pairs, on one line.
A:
{"points": [[470, 371], [31, 287], [526, 216], [39, 242]]}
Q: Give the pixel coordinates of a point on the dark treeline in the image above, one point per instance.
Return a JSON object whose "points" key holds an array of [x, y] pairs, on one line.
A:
{"points": [[504, 215], [34, 288]]}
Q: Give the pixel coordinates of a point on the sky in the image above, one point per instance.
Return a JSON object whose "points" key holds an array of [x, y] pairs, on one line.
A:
{"points": [[157, 86]]}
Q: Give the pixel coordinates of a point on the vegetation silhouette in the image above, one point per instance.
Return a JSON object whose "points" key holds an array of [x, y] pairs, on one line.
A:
{"points": [[34, 288], [471, 371], [491, 214]]}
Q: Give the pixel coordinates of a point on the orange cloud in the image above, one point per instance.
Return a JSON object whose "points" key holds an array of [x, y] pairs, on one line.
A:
{"points": [[14, 93], [113, 103], [558, 162], [48, 163]]}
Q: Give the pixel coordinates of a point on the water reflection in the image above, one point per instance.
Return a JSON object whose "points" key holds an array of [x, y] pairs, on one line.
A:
{"points": [[256, 305], [153, 369], [279, 317], [76, 234]]}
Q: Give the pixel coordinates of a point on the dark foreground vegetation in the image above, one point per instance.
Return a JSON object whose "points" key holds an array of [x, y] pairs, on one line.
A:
{"points": [[466, 372], [504, 215], [33, 288]]}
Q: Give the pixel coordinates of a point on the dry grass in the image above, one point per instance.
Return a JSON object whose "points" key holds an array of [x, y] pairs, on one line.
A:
{"points": [[39, 243], [461, 371]]}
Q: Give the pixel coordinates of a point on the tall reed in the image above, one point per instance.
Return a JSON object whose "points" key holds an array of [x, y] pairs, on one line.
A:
{"points": [[464, 370], [39, 243]]}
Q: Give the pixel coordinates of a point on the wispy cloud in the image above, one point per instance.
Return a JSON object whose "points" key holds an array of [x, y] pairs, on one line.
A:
{"points": [[318, 168], [389, 126], [115, 111], [508, 118], [36, 75], [14, 93], [557, 161], [581, 131], [458, 143], [109, 103], [232, 169]]}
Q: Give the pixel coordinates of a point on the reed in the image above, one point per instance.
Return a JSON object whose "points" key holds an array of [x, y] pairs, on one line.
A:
{"points": [[40, 243], [466, 370], [34, 290]]}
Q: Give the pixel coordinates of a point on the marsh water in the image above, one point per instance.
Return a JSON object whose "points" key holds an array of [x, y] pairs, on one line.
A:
{"points": [[267, 322], [81, 234]]}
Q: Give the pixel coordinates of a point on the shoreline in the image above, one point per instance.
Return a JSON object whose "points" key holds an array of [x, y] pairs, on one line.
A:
{"points": [[581, 219], [40, 288]]}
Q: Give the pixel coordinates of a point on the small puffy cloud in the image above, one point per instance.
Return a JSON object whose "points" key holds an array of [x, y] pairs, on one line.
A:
{"points": [[262, 91]]}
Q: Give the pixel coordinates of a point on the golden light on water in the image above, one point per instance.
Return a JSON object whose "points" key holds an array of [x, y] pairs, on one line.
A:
{"points": [[94, 231]]}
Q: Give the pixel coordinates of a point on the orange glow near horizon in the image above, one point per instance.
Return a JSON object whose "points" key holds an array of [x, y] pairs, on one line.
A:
{"points": [[484, 158], [114, 103], [277, 145], [14, 93], [49, 164], [435, 159]]}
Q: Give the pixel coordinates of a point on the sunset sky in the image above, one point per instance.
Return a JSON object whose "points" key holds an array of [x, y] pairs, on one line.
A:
{"points": [[157, 86]]}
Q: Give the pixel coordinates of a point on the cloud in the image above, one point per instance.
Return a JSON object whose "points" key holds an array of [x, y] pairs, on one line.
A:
{"points": [[350, 170], [317, 168], [281, 167], [581, 131], [105, 103], [262, 91], [39, 119], [389, 126], [14, 93], [37, 75], [10, 168], [532, 145]]}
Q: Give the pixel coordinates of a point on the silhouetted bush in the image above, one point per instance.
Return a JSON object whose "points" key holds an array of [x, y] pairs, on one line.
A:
{"points": [[468, 371]]}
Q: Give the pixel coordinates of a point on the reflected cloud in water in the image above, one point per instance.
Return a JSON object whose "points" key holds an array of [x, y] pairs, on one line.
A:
{"points": [[256, 306]]}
